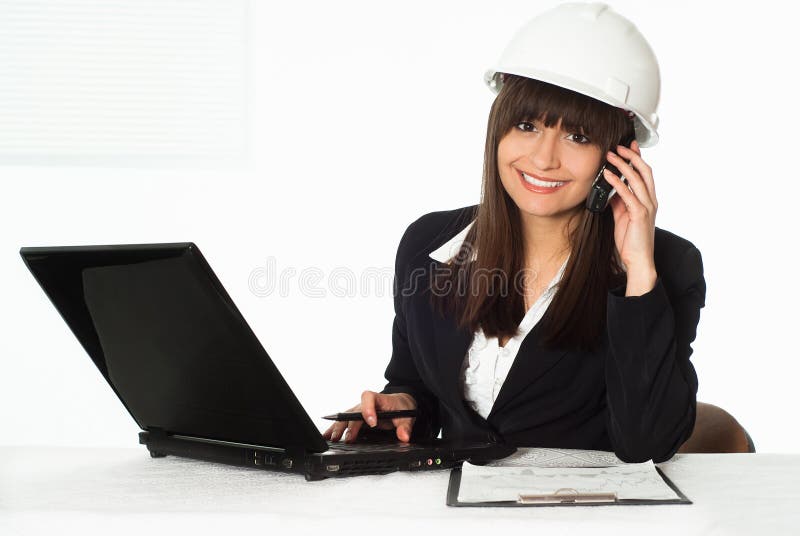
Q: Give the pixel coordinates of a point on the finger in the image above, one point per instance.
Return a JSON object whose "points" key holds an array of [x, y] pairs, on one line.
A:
{"points": [[644, 169], [368, 407], [617, 207], [384, 402], [352, 431], [645, 172], [635, 182], [647, 175], [404, 426], [628, 197], [625, 168], [337, 430]]}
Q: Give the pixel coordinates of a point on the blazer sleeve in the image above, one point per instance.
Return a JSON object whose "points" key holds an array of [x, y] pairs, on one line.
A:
{"points": [[401, 373], [651, 386]]}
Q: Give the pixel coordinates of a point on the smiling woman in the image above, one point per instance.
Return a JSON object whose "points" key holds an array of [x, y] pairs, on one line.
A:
{"points": [[565, 143], [592, 350]]}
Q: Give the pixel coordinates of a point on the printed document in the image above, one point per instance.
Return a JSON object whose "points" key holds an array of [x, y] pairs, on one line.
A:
{"points": [[545, 470]]}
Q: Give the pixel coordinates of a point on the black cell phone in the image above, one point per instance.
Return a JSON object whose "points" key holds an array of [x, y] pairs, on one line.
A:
{"points": [[602, 191], [356, 416]]}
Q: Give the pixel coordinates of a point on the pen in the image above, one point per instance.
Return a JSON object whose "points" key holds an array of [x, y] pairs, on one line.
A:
{"points": [[357, 416]]}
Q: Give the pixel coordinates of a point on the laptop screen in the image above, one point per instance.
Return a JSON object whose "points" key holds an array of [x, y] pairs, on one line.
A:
{"points": [[171, 343]]}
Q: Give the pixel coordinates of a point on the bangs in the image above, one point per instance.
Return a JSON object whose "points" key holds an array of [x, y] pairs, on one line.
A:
{"points": [[527, 99]]}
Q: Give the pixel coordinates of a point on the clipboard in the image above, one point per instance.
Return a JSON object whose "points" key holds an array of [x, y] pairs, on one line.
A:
{"points": [[562, 497]]}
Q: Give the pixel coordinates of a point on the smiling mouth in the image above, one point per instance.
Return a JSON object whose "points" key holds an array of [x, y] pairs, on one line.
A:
{"points": [[541, 183]]}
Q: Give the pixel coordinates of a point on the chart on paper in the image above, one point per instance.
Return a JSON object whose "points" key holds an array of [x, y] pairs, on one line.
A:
{"points": [[544, 471]]}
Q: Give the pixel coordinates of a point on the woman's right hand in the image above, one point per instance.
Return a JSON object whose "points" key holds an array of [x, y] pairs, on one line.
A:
{"points": [[371, 402]]}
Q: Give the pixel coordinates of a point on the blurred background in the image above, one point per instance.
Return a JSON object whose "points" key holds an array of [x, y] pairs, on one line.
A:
{"points": [[300, 140]]}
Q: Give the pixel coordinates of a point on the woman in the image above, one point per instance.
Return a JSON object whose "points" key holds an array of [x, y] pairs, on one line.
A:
{"points": [[528, 318]]}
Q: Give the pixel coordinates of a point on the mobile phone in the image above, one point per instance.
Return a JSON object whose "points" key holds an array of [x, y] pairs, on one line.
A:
{"points": [[602, 192]]}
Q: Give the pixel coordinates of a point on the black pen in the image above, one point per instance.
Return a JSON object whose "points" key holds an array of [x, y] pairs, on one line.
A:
{"points": [[357, 416]]}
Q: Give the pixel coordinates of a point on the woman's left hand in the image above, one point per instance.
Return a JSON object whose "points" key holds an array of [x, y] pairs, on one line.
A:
{"points": [[634, 211]]}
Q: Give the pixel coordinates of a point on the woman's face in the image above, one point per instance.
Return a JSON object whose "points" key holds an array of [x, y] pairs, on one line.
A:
{"points": [[552, 154]]}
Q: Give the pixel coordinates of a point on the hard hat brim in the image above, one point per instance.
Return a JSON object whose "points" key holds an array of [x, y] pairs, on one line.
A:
{"points": [[644, 127]]}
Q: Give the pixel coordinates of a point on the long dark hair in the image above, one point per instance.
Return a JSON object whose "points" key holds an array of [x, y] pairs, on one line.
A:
{"points": [[576, 316]]}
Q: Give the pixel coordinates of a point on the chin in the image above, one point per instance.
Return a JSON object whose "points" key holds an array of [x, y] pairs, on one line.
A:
{"points": [[545, 210]]}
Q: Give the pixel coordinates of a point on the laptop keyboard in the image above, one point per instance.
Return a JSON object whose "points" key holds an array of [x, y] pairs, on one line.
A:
{"points": [[397, 446]]}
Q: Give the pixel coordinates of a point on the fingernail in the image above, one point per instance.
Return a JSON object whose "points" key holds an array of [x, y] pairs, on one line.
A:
{"points": [[371, 420]]}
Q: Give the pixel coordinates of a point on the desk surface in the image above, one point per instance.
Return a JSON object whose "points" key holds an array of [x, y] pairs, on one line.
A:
{"points": [[71, 490]]}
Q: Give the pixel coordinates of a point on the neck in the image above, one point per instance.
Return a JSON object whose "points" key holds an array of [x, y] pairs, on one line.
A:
{"points": [[546, 239]]}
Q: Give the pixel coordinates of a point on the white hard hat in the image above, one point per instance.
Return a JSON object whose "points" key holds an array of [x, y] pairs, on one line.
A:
{"points": [[588, 48]]}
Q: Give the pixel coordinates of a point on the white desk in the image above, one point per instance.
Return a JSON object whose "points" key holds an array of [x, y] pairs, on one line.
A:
{"points": [[124, 491]]}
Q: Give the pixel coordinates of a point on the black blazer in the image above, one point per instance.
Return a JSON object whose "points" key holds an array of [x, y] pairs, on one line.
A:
{"points": [[636, 396]]}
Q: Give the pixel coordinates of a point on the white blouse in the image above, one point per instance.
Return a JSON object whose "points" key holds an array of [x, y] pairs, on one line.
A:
{"points": [[486, 364]]}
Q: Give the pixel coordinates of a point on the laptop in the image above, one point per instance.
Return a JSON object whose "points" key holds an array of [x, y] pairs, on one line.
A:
{"points": [[181, 358]]}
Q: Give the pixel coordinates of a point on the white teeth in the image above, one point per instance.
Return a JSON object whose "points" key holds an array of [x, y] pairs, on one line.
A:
{"points": [[537, 182]]}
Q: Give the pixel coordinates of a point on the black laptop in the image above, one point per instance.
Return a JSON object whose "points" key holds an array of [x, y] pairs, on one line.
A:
{"points": [[172, 345]]}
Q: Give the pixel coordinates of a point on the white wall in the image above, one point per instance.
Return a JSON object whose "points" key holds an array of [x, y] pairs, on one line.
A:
{"points": [[362, 117]]}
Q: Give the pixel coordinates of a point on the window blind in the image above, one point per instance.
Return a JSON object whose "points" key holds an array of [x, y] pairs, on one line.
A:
{"points": [[123, 82]]}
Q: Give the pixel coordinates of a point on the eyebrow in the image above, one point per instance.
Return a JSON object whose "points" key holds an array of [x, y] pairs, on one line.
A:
{"points": [[578, 129]]}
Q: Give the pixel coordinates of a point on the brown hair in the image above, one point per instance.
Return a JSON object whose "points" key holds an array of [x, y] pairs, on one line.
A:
{"points": [[576, 315]]}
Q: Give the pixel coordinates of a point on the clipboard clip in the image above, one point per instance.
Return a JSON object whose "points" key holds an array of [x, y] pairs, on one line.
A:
{"points": [[567, 495]]}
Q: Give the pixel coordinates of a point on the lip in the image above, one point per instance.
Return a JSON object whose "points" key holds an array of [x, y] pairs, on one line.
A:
{"points": [[539, 189]]}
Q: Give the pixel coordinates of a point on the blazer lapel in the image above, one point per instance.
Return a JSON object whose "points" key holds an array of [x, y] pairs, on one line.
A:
{"points": [[530, 364], [451, 344]]}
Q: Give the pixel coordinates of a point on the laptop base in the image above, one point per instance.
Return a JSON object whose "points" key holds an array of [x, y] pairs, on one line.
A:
{"points": [[336, 462]]}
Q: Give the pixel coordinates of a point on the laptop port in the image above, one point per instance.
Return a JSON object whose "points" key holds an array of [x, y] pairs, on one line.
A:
{"points": [[260, 458], [332, 468], [415, 463]]}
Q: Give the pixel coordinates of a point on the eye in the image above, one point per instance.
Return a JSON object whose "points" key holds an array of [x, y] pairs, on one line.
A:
{"points": [[528, 126], [525, 123], [584, 141]]}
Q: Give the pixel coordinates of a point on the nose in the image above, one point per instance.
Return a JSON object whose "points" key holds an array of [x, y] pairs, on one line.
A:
{"points": [[544, 154]]}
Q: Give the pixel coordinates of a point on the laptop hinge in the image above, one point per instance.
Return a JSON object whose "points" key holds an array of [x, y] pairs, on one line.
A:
{"points": [[295, 451], [157, 432], [153, 432]]}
